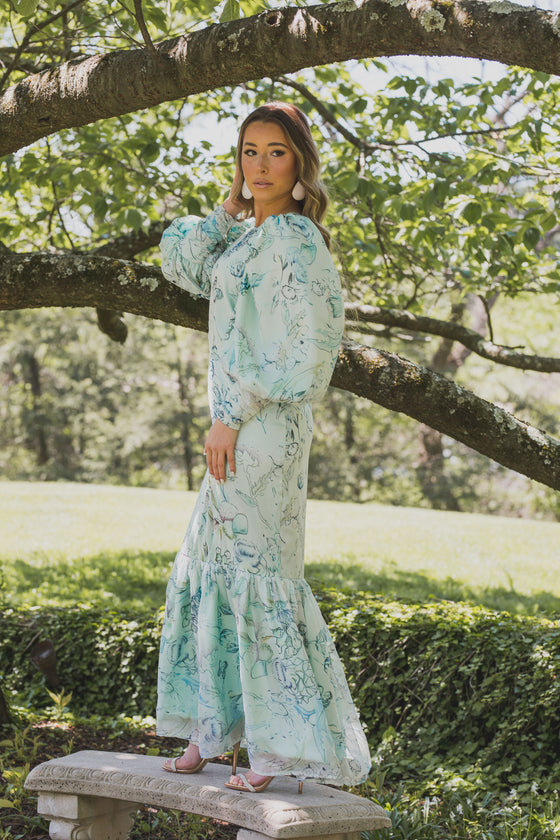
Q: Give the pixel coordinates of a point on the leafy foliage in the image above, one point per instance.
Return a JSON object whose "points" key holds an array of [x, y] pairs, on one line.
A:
{"points": [[464, 696], [441, 191], [83, 408]]}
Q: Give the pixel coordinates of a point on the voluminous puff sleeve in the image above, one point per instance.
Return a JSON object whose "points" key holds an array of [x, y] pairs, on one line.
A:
{"points": [[282, 341], [190, 246]]}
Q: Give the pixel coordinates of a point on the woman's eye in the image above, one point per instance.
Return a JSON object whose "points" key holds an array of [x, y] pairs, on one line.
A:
{"points": [[250, 152]]}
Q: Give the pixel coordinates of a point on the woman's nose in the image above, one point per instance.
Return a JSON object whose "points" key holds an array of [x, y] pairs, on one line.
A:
{"points": [[263, 163]]}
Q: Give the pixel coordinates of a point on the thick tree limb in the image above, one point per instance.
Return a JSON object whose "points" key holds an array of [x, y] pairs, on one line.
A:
{"points": [[31, 281], [452, 331], [399, 385], [271, 44], [125, 247], [36, 280]]}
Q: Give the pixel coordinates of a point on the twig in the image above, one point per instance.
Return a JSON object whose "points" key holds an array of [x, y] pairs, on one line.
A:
{"points": [[35, 27], [139, 14]]}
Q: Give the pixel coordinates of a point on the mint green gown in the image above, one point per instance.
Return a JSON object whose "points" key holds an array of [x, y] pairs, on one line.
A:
{"points": [[245, 652]]}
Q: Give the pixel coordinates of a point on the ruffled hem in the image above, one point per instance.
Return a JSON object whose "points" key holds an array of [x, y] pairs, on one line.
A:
{"points": [[249, 657]]}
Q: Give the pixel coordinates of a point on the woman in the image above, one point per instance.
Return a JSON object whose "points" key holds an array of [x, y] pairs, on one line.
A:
{"points": [[245, 653]]}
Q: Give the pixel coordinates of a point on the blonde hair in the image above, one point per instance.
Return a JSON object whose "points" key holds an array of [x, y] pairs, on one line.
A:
{"points": [[299, 137]]}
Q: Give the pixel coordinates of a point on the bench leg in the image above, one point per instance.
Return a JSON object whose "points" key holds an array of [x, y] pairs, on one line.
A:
{"points": [[248, 834], [86, 817]]}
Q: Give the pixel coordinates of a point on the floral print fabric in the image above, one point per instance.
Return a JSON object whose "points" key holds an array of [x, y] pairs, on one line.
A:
{"points": [[245, 652]]}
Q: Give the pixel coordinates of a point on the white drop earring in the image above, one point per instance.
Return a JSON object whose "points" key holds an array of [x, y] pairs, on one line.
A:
{"points": [[245, 191], [298, 192]]}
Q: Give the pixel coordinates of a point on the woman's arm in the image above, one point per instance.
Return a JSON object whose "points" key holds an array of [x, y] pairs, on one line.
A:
{"points": [[287, 326], [190, 246]]}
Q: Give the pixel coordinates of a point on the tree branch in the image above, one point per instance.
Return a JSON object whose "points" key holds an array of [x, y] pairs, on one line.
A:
{"points": [[33, 29], [139, 15], [272, 43], [454, 332], [402, 386], [34, 280], [129, 244]]}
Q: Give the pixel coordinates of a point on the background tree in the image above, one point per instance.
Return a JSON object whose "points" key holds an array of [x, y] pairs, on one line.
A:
{"points": [[440, 191]]}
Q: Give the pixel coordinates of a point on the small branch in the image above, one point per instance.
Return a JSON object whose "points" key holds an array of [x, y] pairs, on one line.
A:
{"points": [[139, 14], [366, 147], [34, 28], [329, 117], [60, 216], [455, 332], [126, 247], [488, 316], [112, 324]]}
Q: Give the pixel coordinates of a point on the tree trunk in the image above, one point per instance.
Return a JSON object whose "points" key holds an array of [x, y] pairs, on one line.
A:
{"points": [[4, 709], [33, 378], [187, 414]]}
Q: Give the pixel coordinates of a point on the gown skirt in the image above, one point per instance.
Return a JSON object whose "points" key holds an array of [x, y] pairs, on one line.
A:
{"points": [[245, 652]]}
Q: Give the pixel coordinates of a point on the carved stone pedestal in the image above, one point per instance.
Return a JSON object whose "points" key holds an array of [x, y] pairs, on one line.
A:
{"points": [[86, 817], [93, 795]]}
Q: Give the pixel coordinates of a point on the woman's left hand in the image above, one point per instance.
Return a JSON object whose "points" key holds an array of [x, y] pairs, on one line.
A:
{"points": [[219, 448]]}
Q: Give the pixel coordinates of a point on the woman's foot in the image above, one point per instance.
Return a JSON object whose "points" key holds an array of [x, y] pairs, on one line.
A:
{"points": [[189, 762], [249, 781]]}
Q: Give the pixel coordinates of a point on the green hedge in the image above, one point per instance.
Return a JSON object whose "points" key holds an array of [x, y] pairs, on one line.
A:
{"points": [[108, 661], [465, 689], [463, 692]]}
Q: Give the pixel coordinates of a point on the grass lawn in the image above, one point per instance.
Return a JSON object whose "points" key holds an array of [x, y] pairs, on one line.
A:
{"points": [[79, 543]]}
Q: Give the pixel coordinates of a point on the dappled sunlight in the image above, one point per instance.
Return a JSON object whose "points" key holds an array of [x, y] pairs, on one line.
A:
{"points": [[114, 547], [121, 581], [418, 588]]}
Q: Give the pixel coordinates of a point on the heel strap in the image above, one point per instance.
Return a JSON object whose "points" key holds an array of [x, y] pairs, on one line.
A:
{"points": [[246, 782]]}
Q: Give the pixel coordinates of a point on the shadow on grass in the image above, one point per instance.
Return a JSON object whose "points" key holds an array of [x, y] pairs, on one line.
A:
{"points": [[124, 581], [134, 580], [413, 587]]}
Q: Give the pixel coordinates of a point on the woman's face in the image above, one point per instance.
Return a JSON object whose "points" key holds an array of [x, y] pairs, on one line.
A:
{"points": [[268, 163]]}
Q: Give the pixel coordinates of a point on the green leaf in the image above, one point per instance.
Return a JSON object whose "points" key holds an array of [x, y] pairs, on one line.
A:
{"points": [[5, 803], [133, 218], [26, 7], [472, 212], [253, 7], [150, 151], [230, 11], [531, 237]]}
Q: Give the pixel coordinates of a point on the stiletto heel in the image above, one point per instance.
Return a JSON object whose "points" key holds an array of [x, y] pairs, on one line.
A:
{"points": [[300, 786], [235, 758]]}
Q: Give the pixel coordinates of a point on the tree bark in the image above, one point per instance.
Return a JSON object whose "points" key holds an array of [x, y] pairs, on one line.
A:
{"points": [[399, 385], [360, 314], [273, 43], [5, 716], [34, 280], [32, 375]]}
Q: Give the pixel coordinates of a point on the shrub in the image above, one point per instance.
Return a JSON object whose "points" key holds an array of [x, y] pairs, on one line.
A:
{"points": [[464, 690], [106, 659], [446, 691]]}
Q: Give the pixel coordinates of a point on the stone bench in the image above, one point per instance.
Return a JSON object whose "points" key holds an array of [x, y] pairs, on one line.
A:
{"points": [[94, 795]]}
